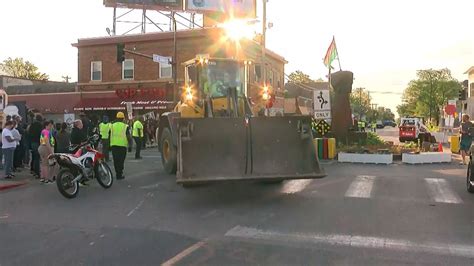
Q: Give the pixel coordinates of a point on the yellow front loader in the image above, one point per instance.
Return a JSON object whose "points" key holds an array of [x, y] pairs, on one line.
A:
{"points": [[213, 135]]}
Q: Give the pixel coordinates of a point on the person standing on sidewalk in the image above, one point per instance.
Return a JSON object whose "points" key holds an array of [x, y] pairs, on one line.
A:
{"points": [[119, 138], [34, 133], [466, 138], [63, 139], [8, 148], [104, 129], [45, 149], [17, 153], [138, 137]]}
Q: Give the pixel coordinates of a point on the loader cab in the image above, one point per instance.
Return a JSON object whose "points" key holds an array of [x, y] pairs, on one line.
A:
{"points": [[216, 87]]}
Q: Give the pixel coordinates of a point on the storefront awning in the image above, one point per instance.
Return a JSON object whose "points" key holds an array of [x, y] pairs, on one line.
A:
{"points": [[106, 104]]}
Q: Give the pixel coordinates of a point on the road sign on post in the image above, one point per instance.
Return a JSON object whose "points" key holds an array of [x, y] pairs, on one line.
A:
{"points": [[322, 104], [129, 110], [161, 59]]}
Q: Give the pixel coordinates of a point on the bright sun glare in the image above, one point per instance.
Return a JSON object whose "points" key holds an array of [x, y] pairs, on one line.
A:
{"points": [[238, 29]]}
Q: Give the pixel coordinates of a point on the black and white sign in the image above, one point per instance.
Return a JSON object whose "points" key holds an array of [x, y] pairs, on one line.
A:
{"points": [[161, 59], [322, 104]]}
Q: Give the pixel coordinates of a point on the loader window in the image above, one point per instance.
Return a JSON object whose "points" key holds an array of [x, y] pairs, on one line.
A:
{"points": [[218, 76]]}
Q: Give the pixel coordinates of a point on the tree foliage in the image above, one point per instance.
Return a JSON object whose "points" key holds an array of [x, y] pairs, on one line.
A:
{"points": [[426, 95], [360, 102], [299, 77], [361, 105], [22, 69]]}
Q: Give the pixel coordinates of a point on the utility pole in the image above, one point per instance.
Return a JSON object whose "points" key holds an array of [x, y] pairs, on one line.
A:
{"points": [[264, 32], [174, 66]]}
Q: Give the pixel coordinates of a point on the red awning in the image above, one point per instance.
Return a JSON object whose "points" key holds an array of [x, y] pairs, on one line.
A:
{"points": [[115, 103]]}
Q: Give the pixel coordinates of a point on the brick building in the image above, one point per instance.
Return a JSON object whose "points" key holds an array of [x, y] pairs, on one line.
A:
{"points": [[107, 85]]}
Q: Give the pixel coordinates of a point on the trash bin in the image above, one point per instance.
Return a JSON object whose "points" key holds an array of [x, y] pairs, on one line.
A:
{"points": [[454, 142]]}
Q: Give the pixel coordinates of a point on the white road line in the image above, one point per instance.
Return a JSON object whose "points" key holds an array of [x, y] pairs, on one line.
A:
{"points": [[136, 208], [440, 191], [295, 186], [361, 187], [183, 254], [353, 241]]}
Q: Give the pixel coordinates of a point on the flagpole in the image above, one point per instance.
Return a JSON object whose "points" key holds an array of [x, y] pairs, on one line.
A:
{"points": [[335, 46]]}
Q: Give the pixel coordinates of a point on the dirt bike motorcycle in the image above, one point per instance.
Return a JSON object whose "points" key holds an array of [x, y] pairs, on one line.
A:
{"points": [[84, 164]]}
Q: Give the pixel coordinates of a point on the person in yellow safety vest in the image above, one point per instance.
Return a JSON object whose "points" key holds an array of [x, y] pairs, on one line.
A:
{"points": [[374, 126], [104, 130], [362, 126], [119, 137], [137, 134]]}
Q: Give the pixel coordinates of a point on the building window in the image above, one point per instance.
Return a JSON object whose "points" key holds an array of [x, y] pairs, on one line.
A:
{"points": [[258, 73], [96, 70], [472, 90], [128, 69], [270, 78], [166, 71]]}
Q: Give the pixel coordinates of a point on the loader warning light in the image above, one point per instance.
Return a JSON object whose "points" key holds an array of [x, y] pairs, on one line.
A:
{"points": [[266, 93]]}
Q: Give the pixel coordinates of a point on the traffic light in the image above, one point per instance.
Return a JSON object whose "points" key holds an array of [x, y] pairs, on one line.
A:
{"points": [[120, 53], [463, 90]]}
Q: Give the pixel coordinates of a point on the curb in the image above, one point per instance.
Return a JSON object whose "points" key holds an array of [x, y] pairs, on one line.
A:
{"points": [[5, 187]]}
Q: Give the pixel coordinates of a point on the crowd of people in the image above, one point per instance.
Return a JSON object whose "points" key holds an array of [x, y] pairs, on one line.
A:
{"points": [[30, 144]]}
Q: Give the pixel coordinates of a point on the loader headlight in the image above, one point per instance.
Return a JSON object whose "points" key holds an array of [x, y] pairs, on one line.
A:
{"points": [[265, 93], [188, 94], [51, 161]]}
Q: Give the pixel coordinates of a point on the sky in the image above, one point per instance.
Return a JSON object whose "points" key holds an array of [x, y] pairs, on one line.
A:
{"points": [[382, 42]]}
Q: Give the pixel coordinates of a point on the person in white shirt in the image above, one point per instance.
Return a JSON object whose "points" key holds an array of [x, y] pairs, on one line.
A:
{"points": [[17, 136], [8, 148]]}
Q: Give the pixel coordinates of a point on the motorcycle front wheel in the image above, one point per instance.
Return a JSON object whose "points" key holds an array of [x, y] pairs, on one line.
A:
{"points": [[66, 186], [104, 175]]}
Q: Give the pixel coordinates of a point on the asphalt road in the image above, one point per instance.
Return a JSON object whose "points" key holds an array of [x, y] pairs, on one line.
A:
{"points": [[358, 215], [389, 134]]}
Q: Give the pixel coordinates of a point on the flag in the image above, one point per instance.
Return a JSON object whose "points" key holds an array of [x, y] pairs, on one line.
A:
{"points": [[331, 54]]}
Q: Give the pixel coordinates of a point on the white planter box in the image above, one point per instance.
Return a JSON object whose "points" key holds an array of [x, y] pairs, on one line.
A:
{"points": [[365, 158], [426, 157]]}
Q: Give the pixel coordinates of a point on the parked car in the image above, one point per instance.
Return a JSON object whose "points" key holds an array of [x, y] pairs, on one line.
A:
{"points": [[379, 124], [389, 123]]}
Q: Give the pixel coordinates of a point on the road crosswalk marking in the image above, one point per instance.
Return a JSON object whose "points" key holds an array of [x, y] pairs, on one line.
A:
{"points": [[361, 187], [355, 241], [440, 191]]}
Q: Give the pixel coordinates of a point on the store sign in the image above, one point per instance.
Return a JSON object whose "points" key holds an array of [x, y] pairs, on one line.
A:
{"points": [[322, 104], [131, 93]]}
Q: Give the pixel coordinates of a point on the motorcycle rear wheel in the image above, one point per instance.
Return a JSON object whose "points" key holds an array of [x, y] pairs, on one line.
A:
{"points": [[66, 186], [104, 175]]}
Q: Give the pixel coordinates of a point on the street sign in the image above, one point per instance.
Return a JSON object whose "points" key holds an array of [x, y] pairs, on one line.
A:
{"points": [[161, 59], [450, 109], [322, 104], [129, 110]]}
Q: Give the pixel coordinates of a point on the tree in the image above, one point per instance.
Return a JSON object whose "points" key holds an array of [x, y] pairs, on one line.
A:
{"points": [[360, 102], [426, 95], [299, 77], [22, 69]]}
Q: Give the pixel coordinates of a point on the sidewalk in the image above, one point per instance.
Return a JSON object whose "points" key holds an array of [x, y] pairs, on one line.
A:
{"points": [[21, 178]]}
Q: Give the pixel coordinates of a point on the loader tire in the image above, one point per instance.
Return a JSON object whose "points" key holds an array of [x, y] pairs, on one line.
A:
{"points": [[168, 152]]}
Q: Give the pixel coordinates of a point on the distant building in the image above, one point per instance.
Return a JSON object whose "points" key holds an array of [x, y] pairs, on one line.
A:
{"points": [[469, 106], [140, 79], [302, 94]]}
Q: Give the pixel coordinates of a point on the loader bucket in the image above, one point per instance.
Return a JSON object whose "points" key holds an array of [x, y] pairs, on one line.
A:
{"points": [[211, 149], [266, 148], [282, 147]]}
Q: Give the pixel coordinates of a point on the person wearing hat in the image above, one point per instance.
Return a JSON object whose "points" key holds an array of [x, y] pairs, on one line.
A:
{"points": [[119, 138], [104, 129], [137, 134]]}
